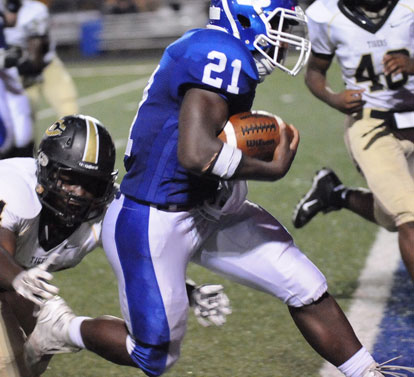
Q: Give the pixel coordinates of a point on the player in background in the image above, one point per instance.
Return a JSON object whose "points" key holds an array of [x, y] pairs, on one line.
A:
{"points": [[183, 199], [373, 41], [51, 211], [19, 106], [42, 71], [9, 81]]}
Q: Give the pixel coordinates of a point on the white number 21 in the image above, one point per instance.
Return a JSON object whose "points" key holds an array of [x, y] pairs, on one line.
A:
{"points": [[219, 67]]}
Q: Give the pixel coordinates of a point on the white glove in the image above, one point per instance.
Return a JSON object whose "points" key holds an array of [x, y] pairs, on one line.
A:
{"points": [[33, 284], [211, 304]]}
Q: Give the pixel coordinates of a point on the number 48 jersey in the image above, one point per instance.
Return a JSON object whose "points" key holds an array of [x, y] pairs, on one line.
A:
{"points": [[360, 50], [202, 58]]}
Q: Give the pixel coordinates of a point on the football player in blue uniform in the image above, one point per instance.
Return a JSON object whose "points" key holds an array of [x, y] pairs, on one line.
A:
{"points": [[183, 199]]}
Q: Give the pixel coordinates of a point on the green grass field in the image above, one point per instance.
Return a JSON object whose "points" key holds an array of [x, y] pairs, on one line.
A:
{"points": [[259, 338]]}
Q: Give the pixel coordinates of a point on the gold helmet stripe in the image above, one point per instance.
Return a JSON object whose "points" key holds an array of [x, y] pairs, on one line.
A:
{"points": [[91, 152]]}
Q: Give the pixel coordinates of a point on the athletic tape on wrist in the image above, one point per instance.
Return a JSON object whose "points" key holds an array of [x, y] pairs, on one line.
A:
{"points": [[227, 161]]}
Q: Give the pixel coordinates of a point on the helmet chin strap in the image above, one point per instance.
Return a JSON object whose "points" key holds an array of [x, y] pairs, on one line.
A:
{"points": [[263, 66]]}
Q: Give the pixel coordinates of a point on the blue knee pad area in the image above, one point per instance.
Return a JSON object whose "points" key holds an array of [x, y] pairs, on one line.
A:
{"points": [[150, 359], [150, 329]]}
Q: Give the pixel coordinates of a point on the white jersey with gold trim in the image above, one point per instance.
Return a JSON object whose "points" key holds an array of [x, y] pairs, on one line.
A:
{"points": [[33, 20], [20, 213], [360, 52]]}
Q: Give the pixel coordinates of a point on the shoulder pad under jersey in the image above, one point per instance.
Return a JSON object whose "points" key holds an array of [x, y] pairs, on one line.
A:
{"points": [[17, 187], [215, 59], [322, 11]]}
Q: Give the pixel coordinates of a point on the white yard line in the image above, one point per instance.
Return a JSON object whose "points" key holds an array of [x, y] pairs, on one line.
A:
{"points": [[120, 70], [101, 96], [369, 299], [120, 143]]}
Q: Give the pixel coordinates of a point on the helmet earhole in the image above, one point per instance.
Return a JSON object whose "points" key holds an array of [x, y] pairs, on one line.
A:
{"points": [[244, 21]]}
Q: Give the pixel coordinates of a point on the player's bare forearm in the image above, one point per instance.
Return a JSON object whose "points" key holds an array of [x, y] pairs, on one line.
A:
{"points": [[9, 269], [198, 145], [348, 101], [315, 78], [317, 84]]}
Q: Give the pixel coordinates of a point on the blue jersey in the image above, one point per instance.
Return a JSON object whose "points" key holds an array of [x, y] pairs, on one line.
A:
{"points": [[203, 58]]}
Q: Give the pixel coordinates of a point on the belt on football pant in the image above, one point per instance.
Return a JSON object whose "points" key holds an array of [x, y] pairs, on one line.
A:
{"points": [[398, 120], [164, 207], [376, 114]]}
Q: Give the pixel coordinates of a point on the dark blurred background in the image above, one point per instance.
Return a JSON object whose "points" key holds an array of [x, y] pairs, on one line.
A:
{"points": [[92, 28]]}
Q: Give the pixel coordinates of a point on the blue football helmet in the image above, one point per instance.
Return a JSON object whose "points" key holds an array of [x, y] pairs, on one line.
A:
{"points": [[267, 29]]}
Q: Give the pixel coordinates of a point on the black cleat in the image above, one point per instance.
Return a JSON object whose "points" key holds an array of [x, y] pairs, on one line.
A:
{"points": [[324, 196]]}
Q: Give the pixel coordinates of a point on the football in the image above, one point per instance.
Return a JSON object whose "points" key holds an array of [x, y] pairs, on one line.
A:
{"points": [[256, 133]]}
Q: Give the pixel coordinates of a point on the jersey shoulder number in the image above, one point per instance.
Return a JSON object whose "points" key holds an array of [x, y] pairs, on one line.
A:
{"points": [[216, 59]]}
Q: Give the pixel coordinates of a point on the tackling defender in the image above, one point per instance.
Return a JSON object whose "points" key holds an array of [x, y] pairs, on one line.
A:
{"points": [[378, 71], [51, 212], [183, 199]]}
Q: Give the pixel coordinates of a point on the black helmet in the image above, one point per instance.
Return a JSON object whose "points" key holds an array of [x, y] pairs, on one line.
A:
{"points": [[78, 149]]}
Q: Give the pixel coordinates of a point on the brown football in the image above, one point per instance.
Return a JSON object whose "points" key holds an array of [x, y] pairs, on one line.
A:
{"points": [[256, 133]]}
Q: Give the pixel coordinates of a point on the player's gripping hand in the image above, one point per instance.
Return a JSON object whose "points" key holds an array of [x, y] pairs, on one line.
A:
{"points": [[285, 151], [397, 63], [211, 305], [348, 101], [33, 284]]}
